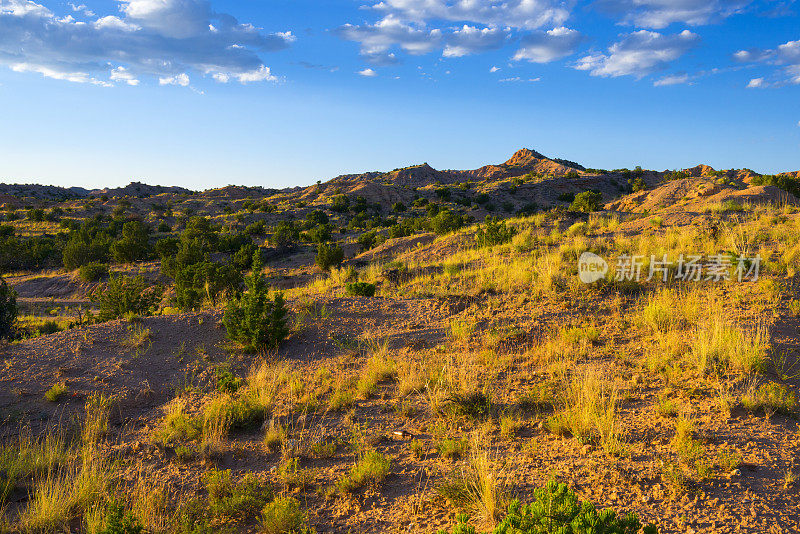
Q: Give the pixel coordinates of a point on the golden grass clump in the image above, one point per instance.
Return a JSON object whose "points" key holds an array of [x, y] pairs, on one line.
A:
{"points": [[589, 410]]}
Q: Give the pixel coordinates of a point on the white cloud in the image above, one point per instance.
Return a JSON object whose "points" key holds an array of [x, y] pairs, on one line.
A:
{"points": [[121, 74], [675, 79], [659, 14], [181, 79], [82, 9], [518, 79], [70, 76], [785, 56], [162, 39], [470, 40], [368, 73], [261, 74], [526, 14], [544, 47], [115, 23], [756, 83], [377, 39], [639, 54], [421, 26], [494, 69]]}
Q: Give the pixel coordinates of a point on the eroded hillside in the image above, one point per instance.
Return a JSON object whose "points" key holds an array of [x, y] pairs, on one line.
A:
{"points": [[441, 363]]}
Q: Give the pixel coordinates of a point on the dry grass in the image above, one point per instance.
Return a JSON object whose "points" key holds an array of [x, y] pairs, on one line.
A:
{"points": [[482, 488], [588, 412]]}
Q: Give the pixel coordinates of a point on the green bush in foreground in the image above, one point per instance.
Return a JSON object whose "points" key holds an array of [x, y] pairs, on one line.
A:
{"points": [[556, 510]]}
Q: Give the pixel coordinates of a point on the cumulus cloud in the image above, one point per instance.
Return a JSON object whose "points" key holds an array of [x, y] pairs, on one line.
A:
{"points": [[421, 26], [756, 83], [470, 40], [544, 47], [659, 14], [786, 57], [494, 69], [368, 73], [181, 79], [121, 74], [639, 54], [378, 39], [527, 14], [163, 39]]}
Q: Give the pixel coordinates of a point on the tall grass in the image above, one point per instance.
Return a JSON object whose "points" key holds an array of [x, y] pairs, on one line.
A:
{"points": [[718, 347], [590, 410], [483, 487]]}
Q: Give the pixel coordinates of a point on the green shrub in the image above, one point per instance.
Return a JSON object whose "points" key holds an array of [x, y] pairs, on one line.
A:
{"points": [[254, 319], [451, 448], [133, 244], [494, 232], [36, 215], [319, 234], [370, 468], [127, 295], [283, 516], [56, 392], [120, 521], [367, 240], [446, 221], [203, 282], [587, 201], [285, 236], [8, 310], [783, 181], [227, 382], [93, 272], [556, 510], [361, 289], [83, 248], [243, 258], [636, 184], [230, 499], [473, 405], [329, 256], [340, 203], [770, 397]]}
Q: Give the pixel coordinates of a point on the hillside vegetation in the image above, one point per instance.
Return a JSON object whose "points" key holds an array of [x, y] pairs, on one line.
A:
{"points": [[409, 351]]}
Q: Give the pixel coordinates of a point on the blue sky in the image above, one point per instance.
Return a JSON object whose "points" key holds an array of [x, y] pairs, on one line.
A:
{"points": [[286, 92]]}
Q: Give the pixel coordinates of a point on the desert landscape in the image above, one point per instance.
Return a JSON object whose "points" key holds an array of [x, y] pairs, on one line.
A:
{"points": [[408, 351]]}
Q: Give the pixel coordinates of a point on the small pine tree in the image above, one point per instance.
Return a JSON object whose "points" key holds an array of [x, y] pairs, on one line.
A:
{"points": [[329, 256], [254, 319]]}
